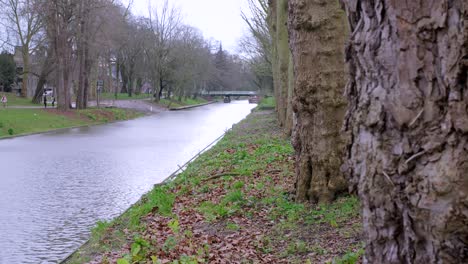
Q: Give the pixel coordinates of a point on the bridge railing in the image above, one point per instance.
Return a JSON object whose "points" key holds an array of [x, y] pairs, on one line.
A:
{"points": [[230, 93]]}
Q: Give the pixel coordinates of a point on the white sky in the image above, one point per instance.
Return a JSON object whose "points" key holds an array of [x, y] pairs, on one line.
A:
{"points": [[217, 19]]}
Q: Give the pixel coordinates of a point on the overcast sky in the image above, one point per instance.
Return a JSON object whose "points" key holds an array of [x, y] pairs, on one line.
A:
{"points": [[217, 19]]}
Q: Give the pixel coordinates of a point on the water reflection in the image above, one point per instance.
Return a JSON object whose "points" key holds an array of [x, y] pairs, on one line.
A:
{"points": [[55, 186]]}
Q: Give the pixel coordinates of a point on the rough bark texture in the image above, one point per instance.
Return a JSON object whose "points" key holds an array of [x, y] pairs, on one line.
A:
{"points": [[408, 124], [26, 69], [317, 30], [272, 5], [63, 71], [81, 46], [282, 70], [58, 30], [289, 122]]}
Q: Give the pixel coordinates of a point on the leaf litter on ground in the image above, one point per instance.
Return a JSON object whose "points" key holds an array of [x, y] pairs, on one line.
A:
{"points": [[234, 205]]}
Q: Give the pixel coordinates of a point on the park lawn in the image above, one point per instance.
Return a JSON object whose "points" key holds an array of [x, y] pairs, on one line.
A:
{"points": [[124, 96], [14, 100], [171, 103], [14, 122], [234, 203]]}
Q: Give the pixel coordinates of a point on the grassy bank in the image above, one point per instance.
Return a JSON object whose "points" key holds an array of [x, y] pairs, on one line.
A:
{"points": [[267, 103], [124, 96], [166, 103], [233, 203], [15, 122], [14, 100]]}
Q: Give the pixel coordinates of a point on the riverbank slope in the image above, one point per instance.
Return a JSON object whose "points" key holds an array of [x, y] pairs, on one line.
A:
{"points": [[17, 122], [22, 117], [233, 204]]}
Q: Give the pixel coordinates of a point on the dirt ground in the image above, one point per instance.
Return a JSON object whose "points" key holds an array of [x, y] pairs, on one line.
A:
{"points": [[232, 205]]}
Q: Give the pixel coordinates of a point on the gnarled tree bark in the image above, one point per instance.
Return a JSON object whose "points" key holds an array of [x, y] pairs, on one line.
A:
{"points": [[408, 124], [317, 32]]}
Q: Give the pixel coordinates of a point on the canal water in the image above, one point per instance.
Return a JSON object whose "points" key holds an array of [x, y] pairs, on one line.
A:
{"points": [[54, 187]]}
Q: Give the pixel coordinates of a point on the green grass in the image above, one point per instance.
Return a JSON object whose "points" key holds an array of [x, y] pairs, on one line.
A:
{"points": [[23, 121], [124, 96], [351, 257], [157, 198], [15, 122], [232, 226], [185, 102], [267, 103], [248, 150], [14, 100]]}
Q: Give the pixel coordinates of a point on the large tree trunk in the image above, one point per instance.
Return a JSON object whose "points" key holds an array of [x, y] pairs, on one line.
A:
{"points": [[131, 78], [46, 69], [317, 38], [272, 22], [283, 58], [161, 87], [81, 56], [282, 68], [39, 89], [123, 72], [26, 69], [63, 73], [408, 123], [58, 32], [61, 99], [88, 66]]}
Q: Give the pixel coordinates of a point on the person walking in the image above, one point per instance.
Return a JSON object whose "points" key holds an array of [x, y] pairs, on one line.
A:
{"points": [[4, 101], [53, 101], [45, 100]]}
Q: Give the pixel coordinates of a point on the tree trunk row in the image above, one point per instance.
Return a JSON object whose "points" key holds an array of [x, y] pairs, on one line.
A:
{"points": [[283, 79], [405, 151], [317, 38], [309, 79]]}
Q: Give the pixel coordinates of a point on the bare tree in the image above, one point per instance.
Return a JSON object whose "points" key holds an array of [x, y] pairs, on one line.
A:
{"points": [[107, 45], [47, 66], [132, 53], [259, 29], [191, 62], [91, 16], [259, 63], [73, 27], [60, 16], [23, 19], [165, 22], [257, 44]]}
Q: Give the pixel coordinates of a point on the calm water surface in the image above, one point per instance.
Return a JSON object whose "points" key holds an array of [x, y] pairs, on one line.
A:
{"points": [[54, 187]]}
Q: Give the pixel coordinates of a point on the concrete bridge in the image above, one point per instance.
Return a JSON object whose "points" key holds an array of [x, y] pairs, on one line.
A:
{"points": [[230, 93]]}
